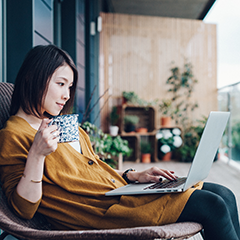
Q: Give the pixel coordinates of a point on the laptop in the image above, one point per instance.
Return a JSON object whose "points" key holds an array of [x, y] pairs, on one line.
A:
{"points": [[200, 167]]}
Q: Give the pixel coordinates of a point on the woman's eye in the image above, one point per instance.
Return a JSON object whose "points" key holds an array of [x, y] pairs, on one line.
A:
{"points": [[61, 84]]}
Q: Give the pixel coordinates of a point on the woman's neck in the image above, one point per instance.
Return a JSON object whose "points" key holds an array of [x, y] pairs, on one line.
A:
{"points": [[34, 121]]}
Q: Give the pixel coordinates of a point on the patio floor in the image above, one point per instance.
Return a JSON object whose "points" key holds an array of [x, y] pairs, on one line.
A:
{"points": [[221, 173]]}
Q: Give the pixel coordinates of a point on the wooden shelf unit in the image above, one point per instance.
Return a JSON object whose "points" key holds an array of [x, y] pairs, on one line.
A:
{"points": [[146, 117], [147, 120]]}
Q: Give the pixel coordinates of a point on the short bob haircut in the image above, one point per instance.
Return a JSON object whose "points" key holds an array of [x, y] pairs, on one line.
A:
{"points": [[33, 78]]}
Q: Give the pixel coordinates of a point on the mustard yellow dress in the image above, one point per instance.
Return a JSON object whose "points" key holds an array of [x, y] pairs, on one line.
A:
{"points": [[74, 185]]}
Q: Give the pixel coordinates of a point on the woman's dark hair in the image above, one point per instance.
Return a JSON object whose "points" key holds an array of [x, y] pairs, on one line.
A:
{"points": [[33, 79]]}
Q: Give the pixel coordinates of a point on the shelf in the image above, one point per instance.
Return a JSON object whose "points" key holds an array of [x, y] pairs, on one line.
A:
{"points": [[146, 117], [153, 133], [146, 120]]}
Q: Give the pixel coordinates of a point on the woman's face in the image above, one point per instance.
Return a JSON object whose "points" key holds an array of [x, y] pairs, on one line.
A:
{"points": [[58, 90]]}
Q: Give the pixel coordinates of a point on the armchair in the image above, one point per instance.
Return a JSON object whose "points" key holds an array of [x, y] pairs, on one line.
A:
{"points": [[38, 228]]}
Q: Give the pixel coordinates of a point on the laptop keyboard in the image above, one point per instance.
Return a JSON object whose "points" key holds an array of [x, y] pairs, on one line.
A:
{"points": [[167, 183]]}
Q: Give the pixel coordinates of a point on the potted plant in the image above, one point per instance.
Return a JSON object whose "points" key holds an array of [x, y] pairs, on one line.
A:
{"points": [[168, 140], [130, 122], [130, 97], [117, 145], [114, 117], [166, 109], [106, 146], [134, 99], [146, 150]]}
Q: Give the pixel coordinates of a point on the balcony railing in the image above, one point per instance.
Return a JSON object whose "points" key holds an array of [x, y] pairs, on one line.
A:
{"points": [[229, 100]]}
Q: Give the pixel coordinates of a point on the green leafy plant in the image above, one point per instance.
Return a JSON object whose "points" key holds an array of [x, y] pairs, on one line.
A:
{"points": [[145, 147], [130, 97], [117, 145], [130, 122], [133, 98], [106, 146], [181, 85], [114, 116], [166, 108], [131, 119]]}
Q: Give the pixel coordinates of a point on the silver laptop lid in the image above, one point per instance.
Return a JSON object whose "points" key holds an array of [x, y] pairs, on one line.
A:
{"points": [[207, 147]]}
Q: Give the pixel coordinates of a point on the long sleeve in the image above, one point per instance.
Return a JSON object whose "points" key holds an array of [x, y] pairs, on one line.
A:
{"points": [[13, 154]]}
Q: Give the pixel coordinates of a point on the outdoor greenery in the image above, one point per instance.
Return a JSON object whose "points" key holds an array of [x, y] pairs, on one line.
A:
{"points": [[106, 146], [235, 140], [236, 135]]}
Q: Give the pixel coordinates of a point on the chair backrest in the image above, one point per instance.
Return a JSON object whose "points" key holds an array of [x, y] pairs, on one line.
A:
{"points": [[6, 90]]}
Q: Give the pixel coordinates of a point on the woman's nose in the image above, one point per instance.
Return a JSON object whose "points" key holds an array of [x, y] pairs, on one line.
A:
{"points": [[66, 94]]}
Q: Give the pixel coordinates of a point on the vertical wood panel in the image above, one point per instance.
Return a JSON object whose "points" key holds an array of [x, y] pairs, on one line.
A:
{"points": [[141, 50]]}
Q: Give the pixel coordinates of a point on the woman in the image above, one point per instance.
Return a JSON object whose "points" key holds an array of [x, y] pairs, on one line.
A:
{"points": [[69, 186]]}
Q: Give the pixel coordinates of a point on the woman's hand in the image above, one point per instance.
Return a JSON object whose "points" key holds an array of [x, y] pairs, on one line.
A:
{"points": [[46, 139], [153, 174]]}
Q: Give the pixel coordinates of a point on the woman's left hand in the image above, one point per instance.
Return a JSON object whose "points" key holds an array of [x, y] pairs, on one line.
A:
{"points": [[153, 174]]}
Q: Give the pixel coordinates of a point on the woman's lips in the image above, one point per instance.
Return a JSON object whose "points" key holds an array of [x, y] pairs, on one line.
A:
{"points": [[61, 105]]}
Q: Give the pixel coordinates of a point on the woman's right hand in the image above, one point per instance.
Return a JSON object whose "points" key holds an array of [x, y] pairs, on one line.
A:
{"points": [[46, 139]]}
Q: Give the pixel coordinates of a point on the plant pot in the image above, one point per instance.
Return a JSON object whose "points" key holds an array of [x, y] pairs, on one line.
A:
{"points": [[167, 156], [130, 128], [166, 121], [146, 157], [142, 130], [113, 130]]}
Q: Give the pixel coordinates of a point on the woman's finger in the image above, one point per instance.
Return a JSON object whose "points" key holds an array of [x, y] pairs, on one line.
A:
{"points": [[162, 172], [44, 123], [169, 175]]}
